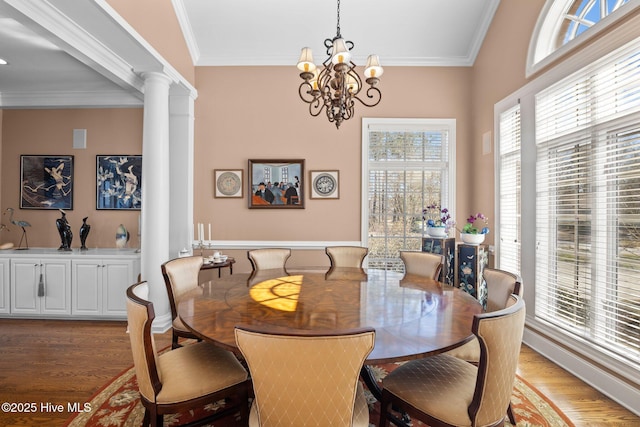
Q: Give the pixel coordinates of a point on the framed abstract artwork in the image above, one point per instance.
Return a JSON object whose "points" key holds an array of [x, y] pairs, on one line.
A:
{"points": [[324, 185], [276, 183], [118, 182], [46, 182], [227, 183]]}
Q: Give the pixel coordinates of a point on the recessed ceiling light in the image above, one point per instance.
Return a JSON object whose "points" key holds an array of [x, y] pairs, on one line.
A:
{"points": [[3, 62]]}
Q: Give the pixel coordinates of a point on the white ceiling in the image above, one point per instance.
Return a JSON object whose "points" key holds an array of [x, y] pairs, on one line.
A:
{"points": [[81, 53]]}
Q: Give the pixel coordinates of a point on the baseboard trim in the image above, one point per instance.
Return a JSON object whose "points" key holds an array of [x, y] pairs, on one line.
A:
{"points": [[604, 380]]}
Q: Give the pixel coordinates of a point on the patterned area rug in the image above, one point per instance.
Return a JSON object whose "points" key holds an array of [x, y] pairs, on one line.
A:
{"points": [[117, 404]]}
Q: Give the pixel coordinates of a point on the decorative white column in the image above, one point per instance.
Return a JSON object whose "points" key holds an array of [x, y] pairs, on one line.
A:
{"points": [[181, 153], [155, 192]]}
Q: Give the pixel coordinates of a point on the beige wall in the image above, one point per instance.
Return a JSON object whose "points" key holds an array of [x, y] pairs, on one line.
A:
{"points": [[255, 112], [50, 132], [498, 71], [156, 22]]}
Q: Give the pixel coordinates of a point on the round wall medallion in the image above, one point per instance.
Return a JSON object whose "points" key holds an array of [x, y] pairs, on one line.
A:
{"points": [[228, 183], [324, 184]]}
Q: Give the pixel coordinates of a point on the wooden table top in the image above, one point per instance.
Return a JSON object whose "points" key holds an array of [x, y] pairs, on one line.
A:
{"points": [[413, 316]]}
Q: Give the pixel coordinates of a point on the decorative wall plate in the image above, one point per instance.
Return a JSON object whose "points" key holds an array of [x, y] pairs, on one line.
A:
{"points": [[324, 184], [227, 183]]}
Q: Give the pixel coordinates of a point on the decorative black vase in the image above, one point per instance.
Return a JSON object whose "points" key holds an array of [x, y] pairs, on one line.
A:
{"points": [[84, 232], [64, 229]]}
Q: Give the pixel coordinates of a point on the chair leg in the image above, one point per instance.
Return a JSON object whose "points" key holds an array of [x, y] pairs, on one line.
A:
{"points": [[512, 418], [174, 341]]}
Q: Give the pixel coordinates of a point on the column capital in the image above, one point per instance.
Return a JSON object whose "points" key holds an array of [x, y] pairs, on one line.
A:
{"points": [[156, 77]]}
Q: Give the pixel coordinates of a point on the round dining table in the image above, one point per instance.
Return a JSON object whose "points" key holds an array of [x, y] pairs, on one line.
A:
{"points": [[413, 316]]}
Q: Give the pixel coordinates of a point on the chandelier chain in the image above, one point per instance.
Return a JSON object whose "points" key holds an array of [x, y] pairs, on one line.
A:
{"points": [[338, 25]]}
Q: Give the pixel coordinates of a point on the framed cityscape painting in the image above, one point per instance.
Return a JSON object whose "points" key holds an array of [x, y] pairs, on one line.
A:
{"points": [[118, 182], [275, 183], [46, 182]]}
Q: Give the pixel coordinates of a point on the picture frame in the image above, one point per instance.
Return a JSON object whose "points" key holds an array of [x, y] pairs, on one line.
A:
{"points": [[118, 182], [324, 184], [228, 183], [265, 173], [46, 182]]}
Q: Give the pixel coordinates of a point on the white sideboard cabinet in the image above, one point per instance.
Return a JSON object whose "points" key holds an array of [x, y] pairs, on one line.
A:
{"points": [[99, 286], [87, 284], [5, 287], [41, 286]]}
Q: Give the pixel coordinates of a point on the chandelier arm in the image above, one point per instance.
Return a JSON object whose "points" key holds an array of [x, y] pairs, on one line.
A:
{"points": [[374, 94], [305, 90], [316, 106]]}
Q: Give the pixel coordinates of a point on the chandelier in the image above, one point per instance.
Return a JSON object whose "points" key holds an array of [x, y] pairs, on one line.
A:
{"points": [[336, 88]]}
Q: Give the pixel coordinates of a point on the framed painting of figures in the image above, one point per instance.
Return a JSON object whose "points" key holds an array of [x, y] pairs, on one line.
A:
{"points": [[46, 182], [276, 184], [118, 182]]}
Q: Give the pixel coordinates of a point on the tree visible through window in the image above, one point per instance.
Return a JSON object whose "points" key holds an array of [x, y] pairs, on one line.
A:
{"points": [[408, 167]]}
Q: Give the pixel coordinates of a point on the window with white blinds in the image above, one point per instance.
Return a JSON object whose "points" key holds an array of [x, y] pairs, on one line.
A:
{"points": [[407, 166], [509, 189], [588, 203]]}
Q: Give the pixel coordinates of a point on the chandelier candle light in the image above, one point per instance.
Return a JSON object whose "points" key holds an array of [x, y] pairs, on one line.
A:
{"points": [[338, 85]]}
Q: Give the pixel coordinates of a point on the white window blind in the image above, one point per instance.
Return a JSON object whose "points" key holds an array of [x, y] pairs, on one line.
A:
{"points": [[588, 204], [408, 167], [509, 191]]}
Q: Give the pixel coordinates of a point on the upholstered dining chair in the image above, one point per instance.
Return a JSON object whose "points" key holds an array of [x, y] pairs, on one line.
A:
{"points": [[443, 390], [185, 378], [180, 276], [346, 256], [422, 263], [306, 380], [268, 258], [500, 285]]}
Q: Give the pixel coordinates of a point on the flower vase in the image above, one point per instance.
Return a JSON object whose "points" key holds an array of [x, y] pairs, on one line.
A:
{"points": [[472, 239], [437, 231]]}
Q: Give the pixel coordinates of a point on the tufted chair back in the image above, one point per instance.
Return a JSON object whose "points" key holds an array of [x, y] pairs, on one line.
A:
{"points": [[306, 379], [422, 263], [346, 256], [500, 285], [180, 276], [500, 335], [268, 258]]}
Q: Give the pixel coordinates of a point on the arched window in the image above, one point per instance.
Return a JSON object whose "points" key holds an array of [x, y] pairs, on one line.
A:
{"points": [[565, 24]]}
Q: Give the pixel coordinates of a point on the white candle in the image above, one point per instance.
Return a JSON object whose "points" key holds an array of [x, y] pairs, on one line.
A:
{"points": [[201, 231], [209, 231]]}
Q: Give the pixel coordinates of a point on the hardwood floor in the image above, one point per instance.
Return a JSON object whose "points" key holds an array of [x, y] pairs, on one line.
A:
{"points": [[61, 362]]}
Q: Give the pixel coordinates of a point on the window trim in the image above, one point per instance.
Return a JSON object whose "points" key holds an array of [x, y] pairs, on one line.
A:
{"points": [[601, 370], [541, 55], [407, 123]]}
